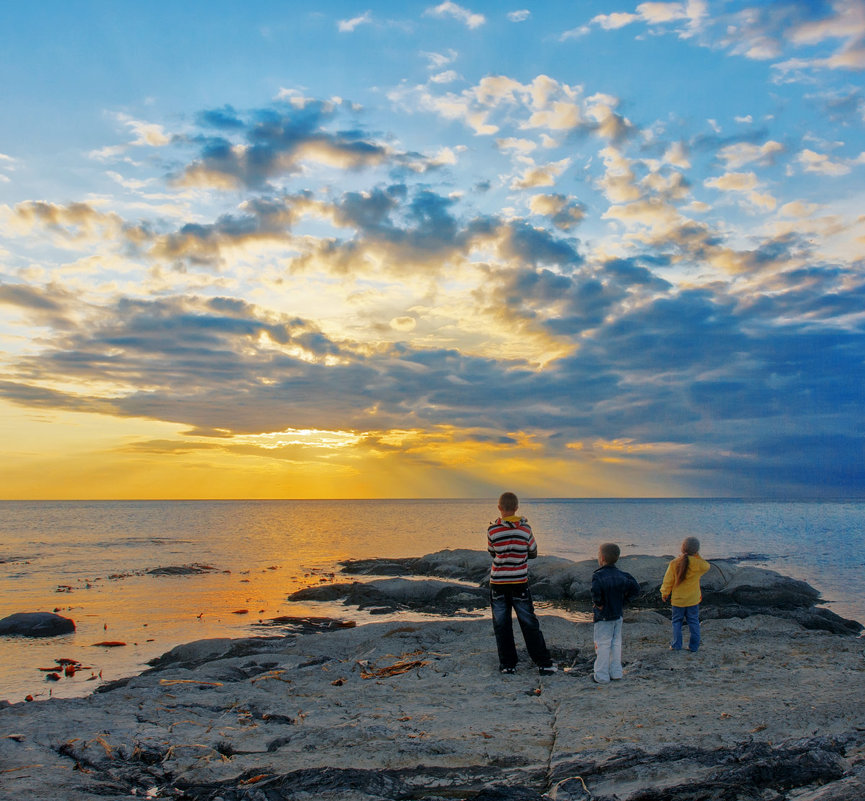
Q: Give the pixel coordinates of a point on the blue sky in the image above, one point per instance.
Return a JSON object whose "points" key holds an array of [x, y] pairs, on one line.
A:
{"points": [[432, 249]]}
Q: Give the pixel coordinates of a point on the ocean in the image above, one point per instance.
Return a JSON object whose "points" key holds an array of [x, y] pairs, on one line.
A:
{"points": [[88, 560]]}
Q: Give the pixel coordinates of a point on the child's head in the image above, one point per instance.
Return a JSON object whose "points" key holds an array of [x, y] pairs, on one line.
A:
{"points": [[608, 553], [508, 503], [690, 546]]}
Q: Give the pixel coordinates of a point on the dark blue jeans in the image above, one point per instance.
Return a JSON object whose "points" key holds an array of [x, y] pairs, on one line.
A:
{"points": [[503, 599], [691, 616]]}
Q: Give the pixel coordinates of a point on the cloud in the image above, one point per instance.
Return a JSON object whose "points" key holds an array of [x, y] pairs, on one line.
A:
{"points": [[762, 32], [544, 103], [536, 176], [742, 153], [516, 144], [6, 163], [349, 25], [519, 16], [51, 306], [744, 183], [651, 14], [655, 365], [439, 60], [147, 133], [448, 76], [564, 212], [404, 323], [449, 9], [821, 163], [278, 141], [72, 223], [614, 21]]}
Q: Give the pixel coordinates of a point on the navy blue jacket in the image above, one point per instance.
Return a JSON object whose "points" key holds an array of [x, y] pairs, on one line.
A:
{"points": [[611, 590]]}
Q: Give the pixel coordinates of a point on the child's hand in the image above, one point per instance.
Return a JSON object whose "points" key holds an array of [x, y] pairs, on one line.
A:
{"points": [[664, 597]]}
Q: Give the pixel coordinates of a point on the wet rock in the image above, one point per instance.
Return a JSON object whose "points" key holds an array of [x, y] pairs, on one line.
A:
{"points": [[388, 594], [181, 570], [36, 624], [460, 563], [814, 618]]}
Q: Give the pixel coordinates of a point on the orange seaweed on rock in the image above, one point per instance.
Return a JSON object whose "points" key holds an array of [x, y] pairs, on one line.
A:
{"points": [[392, 670]]}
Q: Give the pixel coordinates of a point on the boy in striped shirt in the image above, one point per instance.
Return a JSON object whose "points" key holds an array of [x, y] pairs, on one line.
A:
{"points": [[511, 544]]}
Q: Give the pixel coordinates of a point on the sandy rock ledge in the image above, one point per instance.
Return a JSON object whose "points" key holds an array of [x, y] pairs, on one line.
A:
{"points": [[767, 710]]}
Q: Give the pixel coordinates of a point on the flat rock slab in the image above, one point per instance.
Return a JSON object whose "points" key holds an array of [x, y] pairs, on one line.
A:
{"points": [[424, 594], [181, 570], [766, 710], [36, 624]]}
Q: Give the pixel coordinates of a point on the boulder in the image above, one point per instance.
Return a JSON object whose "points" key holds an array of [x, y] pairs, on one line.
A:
{"points": [[36, 624], [729, 588], [462, 564]]}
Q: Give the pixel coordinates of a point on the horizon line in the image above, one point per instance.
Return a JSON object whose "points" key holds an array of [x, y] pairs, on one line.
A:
{"points": [[526, 499]]}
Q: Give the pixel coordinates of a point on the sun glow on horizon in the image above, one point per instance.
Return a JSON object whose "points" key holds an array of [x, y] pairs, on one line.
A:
{"points": [[407, 254]]}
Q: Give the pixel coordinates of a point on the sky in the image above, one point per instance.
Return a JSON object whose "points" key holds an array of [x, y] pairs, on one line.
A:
{"points": [[421, 249]]}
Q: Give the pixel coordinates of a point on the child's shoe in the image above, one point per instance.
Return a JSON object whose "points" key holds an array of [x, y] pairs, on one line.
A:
{"points": [[508, 670]]}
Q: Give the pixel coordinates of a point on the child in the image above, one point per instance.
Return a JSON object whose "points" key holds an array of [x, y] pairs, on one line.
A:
{"points": [[611, 589], [511, 543], [682, 582]]}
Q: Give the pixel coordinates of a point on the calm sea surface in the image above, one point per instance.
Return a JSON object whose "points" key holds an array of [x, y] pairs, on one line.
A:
{"points": [[88, 561]]}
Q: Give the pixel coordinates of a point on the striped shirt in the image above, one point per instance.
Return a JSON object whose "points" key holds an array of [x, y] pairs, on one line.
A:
{"points": [[511, 543]]}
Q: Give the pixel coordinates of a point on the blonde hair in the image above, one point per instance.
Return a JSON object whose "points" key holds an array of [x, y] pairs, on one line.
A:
{"points": [[690, 547]]}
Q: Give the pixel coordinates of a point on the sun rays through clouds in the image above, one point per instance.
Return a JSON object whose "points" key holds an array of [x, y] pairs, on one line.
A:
{"points": [[400, 252]]}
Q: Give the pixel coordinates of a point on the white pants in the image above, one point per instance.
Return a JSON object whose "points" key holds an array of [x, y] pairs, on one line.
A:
{"points": [[608, 650]]}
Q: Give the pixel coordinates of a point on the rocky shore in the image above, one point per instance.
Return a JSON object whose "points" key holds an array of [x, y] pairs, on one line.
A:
{"points": [[772, 707]]}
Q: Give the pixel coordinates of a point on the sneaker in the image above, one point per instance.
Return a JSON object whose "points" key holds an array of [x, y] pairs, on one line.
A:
{"points": [[508, 670], [548, 671]]}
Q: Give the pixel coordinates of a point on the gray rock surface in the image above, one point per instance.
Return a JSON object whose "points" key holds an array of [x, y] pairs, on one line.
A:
{"points": [[427, 595], [36, 624], [767, 710]]}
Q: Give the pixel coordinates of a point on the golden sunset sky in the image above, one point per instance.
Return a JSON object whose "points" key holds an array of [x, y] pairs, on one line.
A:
{"points": [[274, 250]]}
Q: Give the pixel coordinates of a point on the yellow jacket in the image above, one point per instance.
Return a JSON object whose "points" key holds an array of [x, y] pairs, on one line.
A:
{"points": [[686, 592]]}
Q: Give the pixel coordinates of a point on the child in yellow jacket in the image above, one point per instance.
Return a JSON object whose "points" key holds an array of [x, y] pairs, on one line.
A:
{"points": [[682, 585]]}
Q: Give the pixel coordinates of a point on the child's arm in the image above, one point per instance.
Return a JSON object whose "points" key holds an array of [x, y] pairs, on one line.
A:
{"points": [[532, 545], [597, 594], [667, 583], [699, 565], [632, 590]]}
